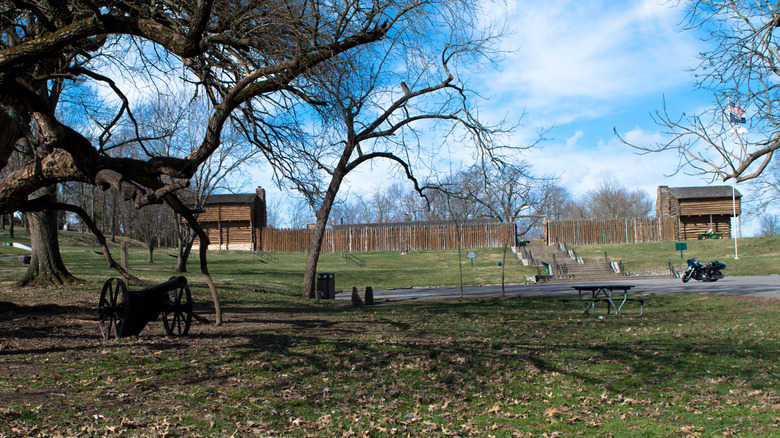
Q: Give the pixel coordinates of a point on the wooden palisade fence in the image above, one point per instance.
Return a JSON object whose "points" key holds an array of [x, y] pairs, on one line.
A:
{"points": [[588, 232], [393, 237]]}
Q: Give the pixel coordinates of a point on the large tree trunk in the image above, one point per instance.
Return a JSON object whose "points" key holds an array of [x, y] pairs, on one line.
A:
{"points": [[313, 257], [150, 247], [183, 255], [315, 247], [46, 265]]}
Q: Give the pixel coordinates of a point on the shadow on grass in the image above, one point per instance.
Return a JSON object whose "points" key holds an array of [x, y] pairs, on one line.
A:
{"points": [[618, 367], [519, 337]]}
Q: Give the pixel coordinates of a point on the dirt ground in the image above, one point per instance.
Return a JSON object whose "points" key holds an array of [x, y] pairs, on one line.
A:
{"points": [[49, 327], [39, 342]]}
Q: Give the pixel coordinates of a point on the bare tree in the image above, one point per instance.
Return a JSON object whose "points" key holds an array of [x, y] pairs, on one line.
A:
{"points": [[738, 136], [377, 113], [254, 60], [300, 214], [346, 212], [767, 189], [555, 209], [273, 212], [612, 200], [174, 125], [769, 225], [508, 191], [149, 225]]}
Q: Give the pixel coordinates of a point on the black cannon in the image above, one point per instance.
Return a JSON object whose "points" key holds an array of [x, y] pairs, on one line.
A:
{"points": [[125, 313]]}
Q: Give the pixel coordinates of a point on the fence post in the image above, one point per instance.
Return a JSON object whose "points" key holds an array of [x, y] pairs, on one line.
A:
{"points": [[625, 227]]}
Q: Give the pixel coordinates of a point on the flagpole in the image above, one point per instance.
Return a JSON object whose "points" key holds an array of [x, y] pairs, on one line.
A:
{"points": [[736, 115], [734, 212]]}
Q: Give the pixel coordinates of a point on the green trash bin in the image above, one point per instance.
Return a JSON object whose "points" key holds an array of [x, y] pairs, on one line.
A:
{"points": [[326, 285]]}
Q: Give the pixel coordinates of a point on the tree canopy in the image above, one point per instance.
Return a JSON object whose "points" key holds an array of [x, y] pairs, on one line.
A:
{"points": [[255, 61]]}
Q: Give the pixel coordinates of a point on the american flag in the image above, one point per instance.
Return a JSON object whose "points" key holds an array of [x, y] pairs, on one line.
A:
{"points": [[736, 110], [736, 114]]}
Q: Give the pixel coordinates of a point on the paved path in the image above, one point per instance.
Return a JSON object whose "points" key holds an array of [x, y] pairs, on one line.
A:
{"points": [[766, 285]]}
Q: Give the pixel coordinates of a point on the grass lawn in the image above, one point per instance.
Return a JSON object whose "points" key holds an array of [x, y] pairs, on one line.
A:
{"points": [[241, 269], [692, 365], [757, 255]]}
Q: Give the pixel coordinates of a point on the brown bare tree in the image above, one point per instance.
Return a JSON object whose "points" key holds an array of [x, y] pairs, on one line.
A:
{"points": [[253, 59], [737, 137], [612, 200], [373, 113]]}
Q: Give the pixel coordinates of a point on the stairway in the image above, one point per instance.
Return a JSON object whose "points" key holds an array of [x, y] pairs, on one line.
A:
{"points": [[556, 265]]}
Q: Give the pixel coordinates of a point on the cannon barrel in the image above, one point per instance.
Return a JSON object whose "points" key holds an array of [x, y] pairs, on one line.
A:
{"points": [[166, 286]]}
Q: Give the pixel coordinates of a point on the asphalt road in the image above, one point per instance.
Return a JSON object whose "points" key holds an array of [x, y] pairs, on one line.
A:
{"points": [[766, 285]]}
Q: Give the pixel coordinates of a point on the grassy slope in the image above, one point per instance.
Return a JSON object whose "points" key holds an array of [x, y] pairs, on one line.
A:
{"points": [[241, 271], [757, 255], [691, 366]]}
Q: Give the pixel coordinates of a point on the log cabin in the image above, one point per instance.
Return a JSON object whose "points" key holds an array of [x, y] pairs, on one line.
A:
{"points": [[234, 221], [699, 210]]}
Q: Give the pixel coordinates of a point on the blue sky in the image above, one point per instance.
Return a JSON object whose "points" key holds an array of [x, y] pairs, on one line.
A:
{"points": [[582, 68]]}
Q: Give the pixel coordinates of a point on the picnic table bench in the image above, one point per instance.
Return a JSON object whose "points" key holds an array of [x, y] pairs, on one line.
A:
{"points": [[614, 295]]}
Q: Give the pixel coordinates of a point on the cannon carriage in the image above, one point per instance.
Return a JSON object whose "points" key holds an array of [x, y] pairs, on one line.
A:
{"points": [[122, 312]]}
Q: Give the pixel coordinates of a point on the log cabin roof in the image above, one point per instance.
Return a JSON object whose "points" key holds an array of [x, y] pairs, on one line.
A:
{"points": [[707, 192], [230, 198]]}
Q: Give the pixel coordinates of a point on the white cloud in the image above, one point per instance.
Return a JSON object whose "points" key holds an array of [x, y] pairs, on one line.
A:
{"points": [[583, 167], [573, 139], [573, 56]]}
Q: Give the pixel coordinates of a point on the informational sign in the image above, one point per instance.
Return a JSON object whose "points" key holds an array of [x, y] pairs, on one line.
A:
{"points": [[471, 255], [680, 246]]}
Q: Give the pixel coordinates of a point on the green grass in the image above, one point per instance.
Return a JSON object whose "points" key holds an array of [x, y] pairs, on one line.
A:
{"points": [[240, 270], [757, 255], [692, 365]]}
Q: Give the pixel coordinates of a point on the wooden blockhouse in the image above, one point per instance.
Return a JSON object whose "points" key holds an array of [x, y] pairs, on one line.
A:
{"points": [[234, 221], [698, 209]]}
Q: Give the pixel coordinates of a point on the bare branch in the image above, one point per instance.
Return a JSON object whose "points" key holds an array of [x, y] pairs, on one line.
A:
{"points": [[737, 137]]}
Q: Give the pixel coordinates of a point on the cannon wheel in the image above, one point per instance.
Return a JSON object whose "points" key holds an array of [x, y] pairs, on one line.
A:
{"points": [[177, 315], [113, 308]]}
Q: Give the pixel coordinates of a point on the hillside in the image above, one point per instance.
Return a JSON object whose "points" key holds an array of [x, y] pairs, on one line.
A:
{"points": [[757, 255]]}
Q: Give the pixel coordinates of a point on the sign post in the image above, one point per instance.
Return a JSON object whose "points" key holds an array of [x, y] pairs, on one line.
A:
{"points": [[471, 255], [680, 246]]}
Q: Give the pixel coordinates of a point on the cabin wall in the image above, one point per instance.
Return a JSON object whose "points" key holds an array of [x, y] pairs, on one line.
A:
{"points": [[706, 207], [229, 227]]}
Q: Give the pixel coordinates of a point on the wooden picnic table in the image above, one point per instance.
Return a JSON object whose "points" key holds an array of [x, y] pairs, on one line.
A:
{"points": [[614, 295]]}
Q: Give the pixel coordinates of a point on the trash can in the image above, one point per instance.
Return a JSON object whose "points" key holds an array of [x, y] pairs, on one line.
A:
{"points": [[326, 285]]}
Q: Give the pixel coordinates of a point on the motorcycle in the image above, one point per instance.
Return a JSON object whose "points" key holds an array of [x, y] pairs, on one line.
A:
{"points": [[699, 272]]}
